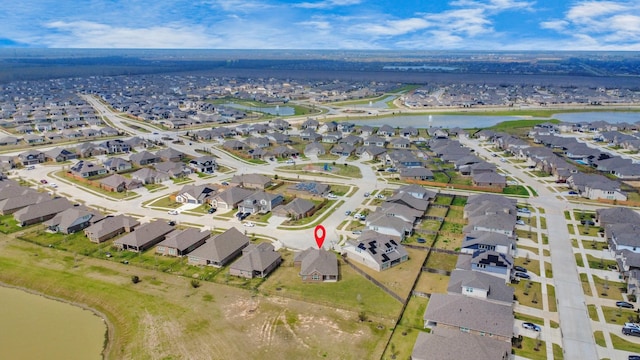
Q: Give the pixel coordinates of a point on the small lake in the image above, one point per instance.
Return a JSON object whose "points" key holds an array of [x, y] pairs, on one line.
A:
{"points": [[482, 121], [271, 110], [35, 327]]}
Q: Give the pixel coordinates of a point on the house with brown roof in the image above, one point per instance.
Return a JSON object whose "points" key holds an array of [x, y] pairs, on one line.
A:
{"points": [[230, 198], [317, 265], [196, 194], [256, 261], [110, 227], [119, 183], [144, 237], [295, 209], [220, 249], [180, 243], [251, 181], [14, 198]]}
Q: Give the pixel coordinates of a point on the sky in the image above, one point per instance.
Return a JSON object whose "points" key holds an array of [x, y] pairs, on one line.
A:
{"points": [[323, 24]]}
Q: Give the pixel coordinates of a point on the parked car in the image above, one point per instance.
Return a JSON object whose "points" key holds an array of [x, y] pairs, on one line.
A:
{"points": [[380, 196], [519, 222], [347, 213], [224, 183], [367, 194], [212, 210], [356, 232], [520, 269], [332, 196], [43, 181], [522, 275], [632, 325], [573, 192], [587, 222], [634, 357], [631, 331], [524, 210], [249, 224], [391, 169], [531, 326], [31, 167], [624, 304], [421, 240], [171, 223], [53, 185], [239, 214], [172, 212]]}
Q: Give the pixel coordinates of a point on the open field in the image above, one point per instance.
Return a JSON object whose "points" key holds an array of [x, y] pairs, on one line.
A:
{"points": [[163, 317]]}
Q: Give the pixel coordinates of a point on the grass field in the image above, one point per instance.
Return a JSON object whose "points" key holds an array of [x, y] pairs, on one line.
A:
{"points": [[622, 344], [432, 283], [163, 317], [528, 349]]}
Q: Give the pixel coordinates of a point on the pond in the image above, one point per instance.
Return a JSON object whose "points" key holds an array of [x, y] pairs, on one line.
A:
{"points": [[36, 327], [483, 121], [271, 110]]}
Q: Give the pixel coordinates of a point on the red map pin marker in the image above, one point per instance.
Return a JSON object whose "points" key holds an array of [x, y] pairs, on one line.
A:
{"points": [[319, 233]]}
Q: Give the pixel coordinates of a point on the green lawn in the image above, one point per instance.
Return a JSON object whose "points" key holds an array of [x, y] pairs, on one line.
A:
{"points": [[528, 297], [414, 312], [441, 261], [352, 291], [515, 190], [593, 312], [616, 315], [622, 344], [599, 263], [9, 225], [551, 293], [532, 266], [401, 343], [599, 336], [528, 349], [529, 318]]}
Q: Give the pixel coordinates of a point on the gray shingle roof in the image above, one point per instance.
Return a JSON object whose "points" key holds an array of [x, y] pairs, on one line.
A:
{"points": [[221, 246], [319, 260]]}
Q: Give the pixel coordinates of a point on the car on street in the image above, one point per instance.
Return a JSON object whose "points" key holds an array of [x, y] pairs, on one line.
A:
{"points": [[391, 169], [503, 160], [520, 269], [347, 213], [212, 210], [43, 181], [631, 331], [249, 224], [519, 222], [573, 192], [356, 232], [524, 210], [634, 357], [224, 183], [624, 304], [53, 185], [172, 212], [290, 161], [171, 223], [522, 275], [31, 167], [531, 326], [632, 325], [367, 194]]}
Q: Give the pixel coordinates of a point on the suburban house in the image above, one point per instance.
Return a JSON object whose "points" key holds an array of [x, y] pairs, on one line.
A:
{"points": [[41, 211], [314, 149], [117, 164], [400, 211], [617, 215], [416, 191], [470, 315], [170, 154], [180, 243], [260, 202], [119, 183], [490, 180], [317, 265], [220, 249], [498, 223], [389, 225], [195, 194], [15, 198], [488, 262], [455, 344], [229, 198], [295, 209], [31, 157], [59, 155], [173, 169], [205, 164], [487, 240], [110, 227], [256, 261], [409, 200], [416, 173], [73, 220], [376, 251], [86, 169], [480, 285], [251, 181], [144, 158], [144, 237], [149, 176]]}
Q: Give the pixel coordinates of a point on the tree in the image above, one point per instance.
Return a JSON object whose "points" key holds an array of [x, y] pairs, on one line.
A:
{"points": [[535, 298], [362, 316], [195, 283], [527, 259]]}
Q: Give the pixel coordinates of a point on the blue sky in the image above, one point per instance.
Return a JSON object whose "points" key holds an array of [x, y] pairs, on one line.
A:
{"points": [[323, 24]]}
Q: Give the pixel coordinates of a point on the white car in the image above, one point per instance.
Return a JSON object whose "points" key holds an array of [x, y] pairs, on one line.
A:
{"points": [[332, 196], [249, 224], [53, 185], [172, 212]]}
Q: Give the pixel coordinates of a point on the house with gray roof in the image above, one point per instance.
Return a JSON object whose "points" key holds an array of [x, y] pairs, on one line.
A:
{"points": [[314, 149], [416, 173], [371, 152], [480, 285], [295, 209], [119, 183], [196, 194], [470, 315], [446, 344], [14, 198], [251, 181], [170, 154], [376, 251], [409, 200], [73, 220], [256, 261], [416, 191], [182, 242], [316, 265], [488, 262], [401, 211], [617, 215], [59, 155], [498, 223], [110, 227], [173, 169], [31, 157], [487, 240], [86, 169], [389, 225], [144, 158], [116, 164], [219, 250], [149, 176], [260, 202], [144, 237], [206, 164], [41, 211], [230, 198]]}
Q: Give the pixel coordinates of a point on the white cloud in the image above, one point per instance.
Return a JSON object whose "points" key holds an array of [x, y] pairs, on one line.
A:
{"points": [[85, 34], [493, 5], [319, 25], [469, 22], [393, 27], [327, 4], [558, 25]]}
